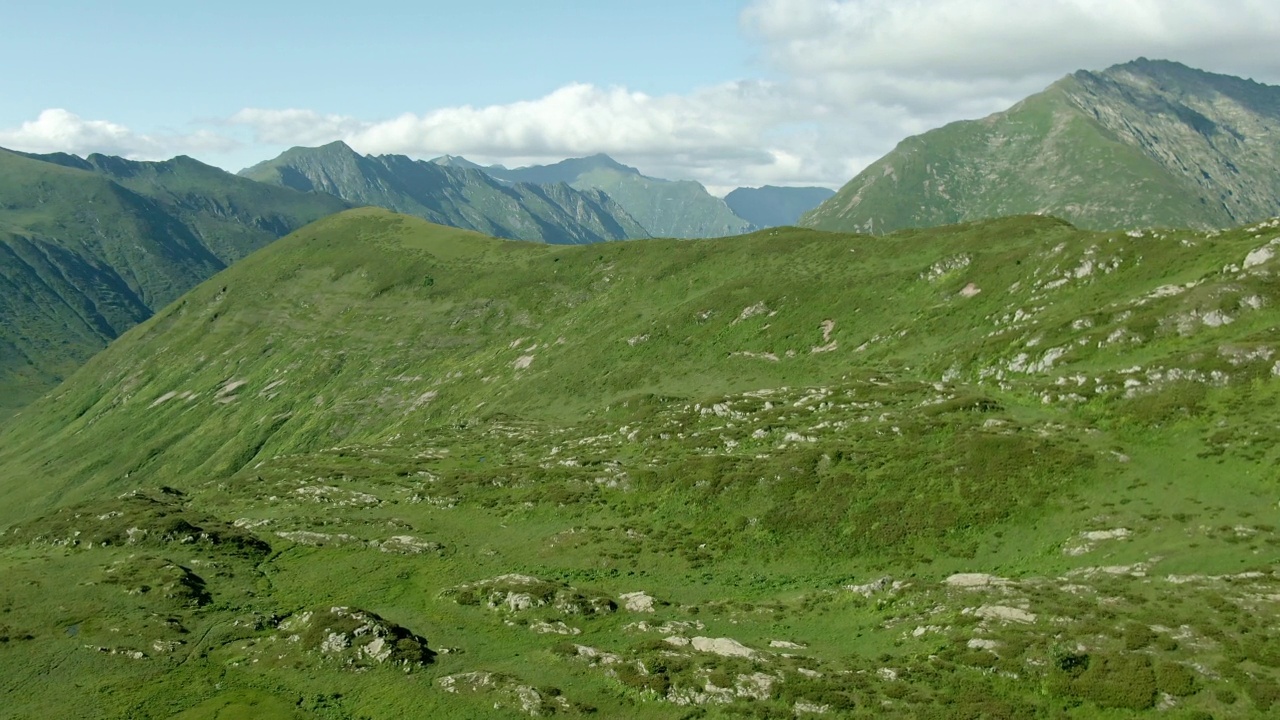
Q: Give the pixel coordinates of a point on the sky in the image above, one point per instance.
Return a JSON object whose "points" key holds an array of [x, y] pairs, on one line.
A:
{"points": [[727, 92]]}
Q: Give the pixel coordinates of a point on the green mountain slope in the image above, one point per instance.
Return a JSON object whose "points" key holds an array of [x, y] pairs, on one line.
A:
{"points": [[92, 246], [1148, 143], [666, 208], [1003, 469], [452, 195], [771, 206]]}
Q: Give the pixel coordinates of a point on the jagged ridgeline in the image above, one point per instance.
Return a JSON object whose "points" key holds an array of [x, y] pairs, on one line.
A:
{"points": [[91, 246], [455, 195], [666, 208], [1143, 144], [387, 468]]}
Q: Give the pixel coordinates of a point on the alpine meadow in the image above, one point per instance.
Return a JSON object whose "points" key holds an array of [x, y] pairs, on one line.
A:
{"points": [[371, 430]]}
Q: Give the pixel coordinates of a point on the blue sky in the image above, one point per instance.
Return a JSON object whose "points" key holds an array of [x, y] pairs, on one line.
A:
{"points": [[168, 63], [727, 92]]}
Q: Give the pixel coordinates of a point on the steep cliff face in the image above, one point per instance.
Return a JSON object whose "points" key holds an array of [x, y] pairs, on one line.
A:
{"points": [[1216, 133], [1148, 143]]}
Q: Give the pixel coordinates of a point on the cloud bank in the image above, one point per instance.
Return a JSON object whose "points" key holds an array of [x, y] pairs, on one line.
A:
{"points": [[58, 130], [848, 79]]}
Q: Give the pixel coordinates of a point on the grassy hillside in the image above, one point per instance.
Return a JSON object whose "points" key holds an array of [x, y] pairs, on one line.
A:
{"points": [[382, 467], [1145, 144], [453, 195], [92, 246]]}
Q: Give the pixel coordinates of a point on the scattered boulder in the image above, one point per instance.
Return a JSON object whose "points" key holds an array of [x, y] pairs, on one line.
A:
{"points": [[883, 584], [1003, 613], [786, 645], [975, 581], [554, 628], [637, 602], [725, 647]]}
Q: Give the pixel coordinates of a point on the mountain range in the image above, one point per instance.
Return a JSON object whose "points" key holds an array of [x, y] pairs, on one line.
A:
{"points": [[665, 208], [94, 245], [1147, 143], [452, 195]]}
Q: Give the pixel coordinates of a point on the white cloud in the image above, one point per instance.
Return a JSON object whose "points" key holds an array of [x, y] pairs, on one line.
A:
{"points": [[848, 80], [295, 127], [701, 135], [58, 130], [1009, 38], [928, 54]]}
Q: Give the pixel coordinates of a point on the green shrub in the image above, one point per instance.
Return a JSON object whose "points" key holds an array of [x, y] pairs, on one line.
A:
{"points": [[1137, 636], [1118, 681], [1175, 679], [1264, 694]]}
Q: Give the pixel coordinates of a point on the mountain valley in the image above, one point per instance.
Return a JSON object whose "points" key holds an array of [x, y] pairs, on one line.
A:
{"points": [[989, 433]]}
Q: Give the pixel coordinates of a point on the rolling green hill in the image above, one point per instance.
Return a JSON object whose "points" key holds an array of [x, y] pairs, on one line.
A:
{"points": [[1144, 144], [665, 208], [89, 247], [454, 195], [384, 467], [771, 206]]}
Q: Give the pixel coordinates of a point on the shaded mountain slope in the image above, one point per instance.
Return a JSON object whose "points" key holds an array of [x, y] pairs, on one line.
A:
{"points": [[452, 195], [92, 246]]}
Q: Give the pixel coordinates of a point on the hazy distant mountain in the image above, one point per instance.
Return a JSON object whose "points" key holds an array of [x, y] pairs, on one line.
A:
{"points": [[771, 206], [1141, 144], [453, 193], [91, 246], [666, 208]]}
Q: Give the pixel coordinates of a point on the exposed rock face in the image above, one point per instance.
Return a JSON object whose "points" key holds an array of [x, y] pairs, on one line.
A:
{"points": [[517, 593], [975, 580], [1147, 143], [726, 647], [356, 638], [506, 691]]}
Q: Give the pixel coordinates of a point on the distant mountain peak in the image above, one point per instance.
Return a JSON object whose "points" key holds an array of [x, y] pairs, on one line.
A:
{"points": [[456, 161], [337, 145], [1139, 144]]}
